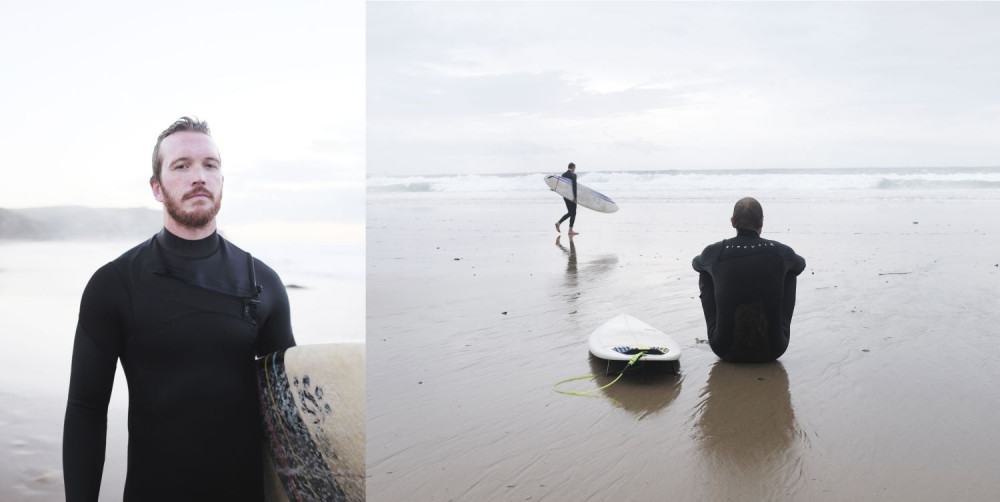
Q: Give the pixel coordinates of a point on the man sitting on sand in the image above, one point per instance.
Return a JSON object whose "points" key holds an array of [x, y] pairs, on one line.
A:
{"points": [[748, 290], [570, 174]]}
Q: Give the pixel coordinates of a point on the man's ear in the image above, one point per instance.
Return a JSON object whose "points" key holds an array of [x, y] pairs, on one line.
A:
{"points": [[157, 189], [732, 222]]}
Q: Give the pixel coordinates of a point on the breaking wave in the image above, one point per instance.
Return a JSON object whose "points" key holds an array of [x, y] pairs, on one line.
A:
{"points": [[799, 183]]}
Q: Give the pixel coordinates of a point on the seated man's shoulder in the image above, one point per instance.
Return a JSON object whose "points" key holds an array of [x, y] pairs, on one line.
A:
{"points": [[788, 253], [777, 245], [707, 256]]}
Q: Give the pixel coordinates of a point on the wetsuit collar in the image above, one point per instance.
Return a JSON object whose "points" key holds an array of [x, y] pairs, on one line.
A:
{"points": [[200, 248], [746, 232]]}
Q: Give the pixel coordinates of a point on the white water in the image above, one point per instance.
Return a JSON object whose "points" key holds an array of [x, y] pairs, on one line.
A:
{"points": [[818, 184]]}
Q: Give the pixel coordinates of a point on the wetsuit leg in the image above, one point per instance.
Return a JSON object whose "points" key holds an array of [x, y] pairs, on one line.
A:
{"points": [[570, 212]]}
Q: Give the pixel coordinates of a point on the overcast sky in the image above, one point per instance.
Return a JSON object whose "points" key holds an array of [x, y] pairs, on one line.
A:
{"points": [[88, 86], [523, 87]]}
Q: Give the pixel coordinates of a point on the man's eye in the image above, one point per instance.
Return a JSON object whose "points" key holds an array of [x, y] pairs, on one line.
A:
{"points": [[180, 166]]}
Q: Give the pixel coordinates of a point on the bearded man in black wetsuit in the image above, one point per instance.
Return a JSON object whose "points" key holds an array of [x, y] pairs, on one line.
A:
{"points": [[748, 290], [570, 174], [186, 312]]}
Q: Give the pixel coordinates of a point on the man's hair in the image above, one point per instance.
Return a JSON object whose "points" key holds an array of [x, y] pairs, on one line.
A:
{"points": [[747, 214], [571, 166], [182, 124]]}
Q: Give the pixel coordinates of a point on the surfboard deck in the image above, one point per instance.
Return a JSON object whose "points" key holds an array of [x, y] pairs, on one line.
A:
{"points": [[312, 401], [623, 336], [586, 197]]}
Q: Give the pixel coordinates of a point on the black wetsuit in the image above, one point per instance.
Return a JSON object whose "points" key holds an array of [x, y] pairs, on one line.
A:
{"points": [[748, 295], [183, 318], [570, 205]]}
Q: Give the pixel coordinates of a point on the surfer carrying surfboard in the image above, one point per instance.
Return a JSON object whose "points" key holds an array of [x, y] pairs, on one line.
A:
{"points": [[748, 289], [570, 174], [185, 312]]}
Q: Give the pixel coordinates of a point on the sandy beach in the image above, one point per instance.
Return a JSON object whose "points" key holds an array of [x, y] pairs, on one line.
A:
{"points": [[475, 309]]}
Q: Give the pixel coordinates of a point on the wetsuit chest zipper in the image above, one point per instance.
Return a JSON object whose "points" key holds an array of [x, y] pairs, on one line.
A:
{"points": [[251, 303]]}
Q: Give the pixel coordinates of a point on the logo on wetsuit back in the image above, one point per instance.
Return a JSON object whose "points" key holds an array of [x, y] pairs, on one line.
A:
{"points": [[754, 246]]}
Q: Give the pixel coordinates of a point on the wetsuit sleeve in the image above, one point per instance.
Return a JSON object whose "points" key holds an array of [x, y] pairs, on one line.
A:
{"points": [[574, 185], [96, 348], [798, 264], [706, 286], [275, 331]]}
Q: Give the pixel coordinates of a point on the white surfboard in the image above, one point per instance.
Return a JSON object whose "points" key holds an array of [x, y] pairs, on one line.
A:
{"points": [[312, 401], [586, 197], [624, 336]]}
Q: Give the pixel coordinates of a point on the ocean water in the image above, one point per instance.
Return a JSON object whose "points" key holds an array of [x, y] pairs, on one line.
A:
{"points": [[964, 183], [40, 288]]}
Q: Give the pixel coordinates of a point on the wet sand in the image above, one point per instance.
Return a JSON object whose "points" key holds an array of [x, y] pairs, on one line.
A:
{"points": [[475, 310]]}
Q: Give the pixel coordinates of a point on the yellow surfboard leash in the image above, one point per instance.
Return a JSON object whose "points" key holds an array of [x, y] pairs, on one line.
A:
{"points": [[631, 362]]}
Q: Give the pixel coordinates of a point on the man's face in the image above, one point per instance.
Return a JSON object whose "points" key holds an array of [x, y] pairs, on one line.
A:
{"points": [[190, 185]]}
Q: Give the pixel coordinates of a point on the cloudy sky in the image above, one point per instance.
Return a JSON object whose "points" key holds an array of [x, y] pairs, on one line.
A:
{"points": [[88, 86], [525, 87]]}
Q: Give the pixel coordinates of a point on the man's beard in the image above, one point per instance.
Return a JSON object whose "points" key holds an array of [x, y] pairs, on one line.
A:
{"points": [[198, 218]]}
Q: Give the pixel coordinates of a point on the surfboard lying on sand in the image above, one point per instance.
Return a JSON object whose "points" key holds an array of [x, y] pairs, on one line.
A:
{"points": [[586, 197], [624, 336], [312, 401]]}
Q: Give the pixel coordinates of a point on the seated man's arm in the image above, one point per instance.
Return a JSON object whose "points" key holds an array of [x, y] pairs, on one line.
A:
{"points": [[707, 296], [798, 264], [702, 264], [96, 349], [795, 264]]}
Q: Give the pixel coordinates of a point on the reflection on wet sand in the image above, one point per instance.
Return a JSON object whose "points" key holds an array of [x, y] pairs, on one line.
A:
{"points": [[748, 434], [571, 272], [641, 391], [594, 268]]}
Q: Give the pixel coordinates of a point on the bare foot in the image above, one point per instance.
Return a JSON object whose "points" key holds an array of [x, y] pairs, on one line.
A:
{"points": [[571, 232], [557, 227]]}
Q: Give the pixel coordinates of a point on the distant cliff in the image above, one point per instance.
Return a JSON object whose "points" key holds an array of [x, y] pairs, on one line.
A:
{"points": [[74, 222]]}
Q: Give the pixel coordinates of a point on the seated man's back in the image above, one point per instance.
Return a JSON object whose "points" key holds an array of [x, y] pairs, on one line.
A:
{"points": [[748, 292]]}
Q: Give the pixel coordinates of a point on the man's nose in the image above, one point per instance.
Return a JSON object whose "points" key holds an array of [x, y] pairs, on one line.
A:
{"points": [[199, 175]]}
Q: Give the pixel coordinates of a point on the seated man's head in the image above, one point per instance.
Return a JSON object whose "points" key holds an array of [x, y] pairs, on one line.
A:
{"points": [[748, 215]]}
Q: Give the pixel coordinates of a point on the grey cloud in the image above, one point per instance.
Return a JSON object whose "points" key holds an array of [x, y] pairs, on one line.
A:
{"points": [[395, 95], [450, 79]]}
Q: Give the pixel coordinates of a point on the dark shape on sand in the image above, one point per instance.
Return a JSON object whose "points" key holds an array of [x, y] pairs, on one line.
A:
{"points": [[294, 286]]}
